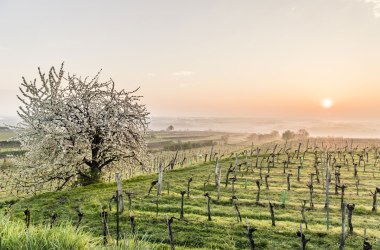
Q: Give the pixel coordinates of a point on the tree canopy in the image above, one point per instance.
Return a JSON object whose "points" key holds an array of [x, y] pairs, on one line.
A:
{"points": [[74, 127]]}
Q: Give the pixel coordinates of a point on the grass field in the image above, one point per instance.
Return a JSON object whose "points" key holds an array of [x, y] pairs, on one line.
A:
{"points": [[156, 140], [6, 134], [224, 231]]}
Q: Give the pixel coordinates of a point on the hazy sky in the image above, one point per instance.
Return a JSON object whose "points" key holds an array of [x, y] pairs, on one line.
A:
{"points": [[205, 58]]}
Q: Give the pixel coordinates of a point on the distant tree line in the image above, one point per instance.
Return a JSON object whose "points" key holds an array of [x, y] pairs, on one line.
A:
{"points": [[274, 135], [300, 134], [10, 144], [12, 153], [188, 145]]}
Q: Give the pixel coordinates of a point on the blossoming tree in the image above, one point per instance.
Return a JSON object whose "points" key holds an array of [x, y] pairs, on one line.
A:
{"points": [[73, 128]]}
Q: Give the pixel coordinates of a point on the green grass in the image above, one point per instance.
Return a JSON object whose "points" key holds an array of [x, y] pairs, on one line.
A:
{"points": [[14, 235], [224, 231]]}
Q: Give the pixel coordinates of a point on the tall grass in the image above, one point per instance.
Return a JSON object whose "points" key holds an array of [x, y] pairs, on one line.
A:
{"points": [[14, 235]]}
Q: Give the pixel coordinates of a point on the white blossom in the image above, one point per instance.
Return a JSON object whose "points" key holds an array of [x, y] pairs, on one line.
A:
{"points": [[74, 127]]}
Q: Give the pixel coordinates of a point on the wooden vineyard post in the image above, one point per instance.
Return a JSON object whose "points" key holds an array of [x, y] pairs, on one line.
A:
{"points": [[258, 191], [327, 192], [113, 199], [159, 181], [266, 181], [208, 206], [366, 244], [304, 241], [27, 217], [341, 244], [53, 218], [287, 160], [288, 181], [350, 211], [157, 202], [298, 150], [337, 182], [129, 195], [152, 184], [229, 171], [357, 183], [233, 186], [171, 237], [303, 206], [343, 187], [257, 156], [323, 180], [219, 178], [234, 202], [311, 190], [133, 224], [374, 195], [250, 232], [271, 210], [104, 217], [119, 206], [189, 180], [117, 218], [173, 161], [80, 217], [298, 173], [216, 172], [181, 217]]}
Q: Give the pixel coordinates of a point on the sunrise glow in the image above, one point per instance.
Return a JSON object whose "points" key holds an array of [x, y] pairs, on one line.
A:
{"points": [[327, 103]]}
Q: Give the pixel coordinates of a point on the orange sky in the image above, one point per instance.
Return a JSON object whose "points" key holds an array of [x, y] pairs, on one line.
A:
{"points": [[206, 58]]}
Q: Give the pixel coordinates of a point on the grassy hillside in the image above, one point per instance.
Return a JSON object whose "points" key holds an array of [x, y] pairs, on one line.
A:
{"points": [[224, 231], [62, 236]]}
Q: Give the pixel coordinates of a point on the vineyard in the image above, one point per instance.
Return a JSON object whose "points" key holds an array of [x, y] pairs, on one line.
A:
{"points": [[304, 194]]}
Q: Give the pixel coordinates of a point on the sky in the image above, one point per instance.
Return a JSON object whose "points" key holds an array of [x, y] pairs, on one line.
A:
{"points": [[204, 58]]}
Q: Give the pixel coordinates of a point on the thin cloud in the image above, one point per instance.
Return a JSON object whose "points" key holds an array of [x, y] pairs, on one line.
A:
{"points": [[182, 73], [376, 7]]}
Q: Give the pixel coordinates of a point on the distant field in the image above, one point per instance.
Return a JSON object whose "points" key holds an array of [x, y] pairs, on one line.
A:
{"points": [[6, 135], [156, 140], [159, 140]]}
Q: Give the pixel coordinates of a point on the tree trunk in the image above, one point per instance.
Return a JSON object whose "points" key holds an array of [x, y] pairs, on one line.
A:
{"points": [[92, 176]]}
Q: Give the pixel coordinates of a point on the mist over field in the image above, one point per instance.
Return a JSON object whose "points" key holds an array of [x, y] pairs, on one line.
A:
{"points": [[345, 128], [316, 128]]}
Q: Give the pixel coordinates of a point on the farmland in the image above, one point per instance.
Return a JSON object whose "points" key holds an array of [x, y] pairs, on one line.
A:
{"points": [[225, 230]]}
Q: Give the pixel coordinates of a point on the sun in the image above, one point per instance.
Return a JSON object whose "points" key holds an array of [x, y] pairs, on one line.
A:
{"points": [[327, 103]]}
